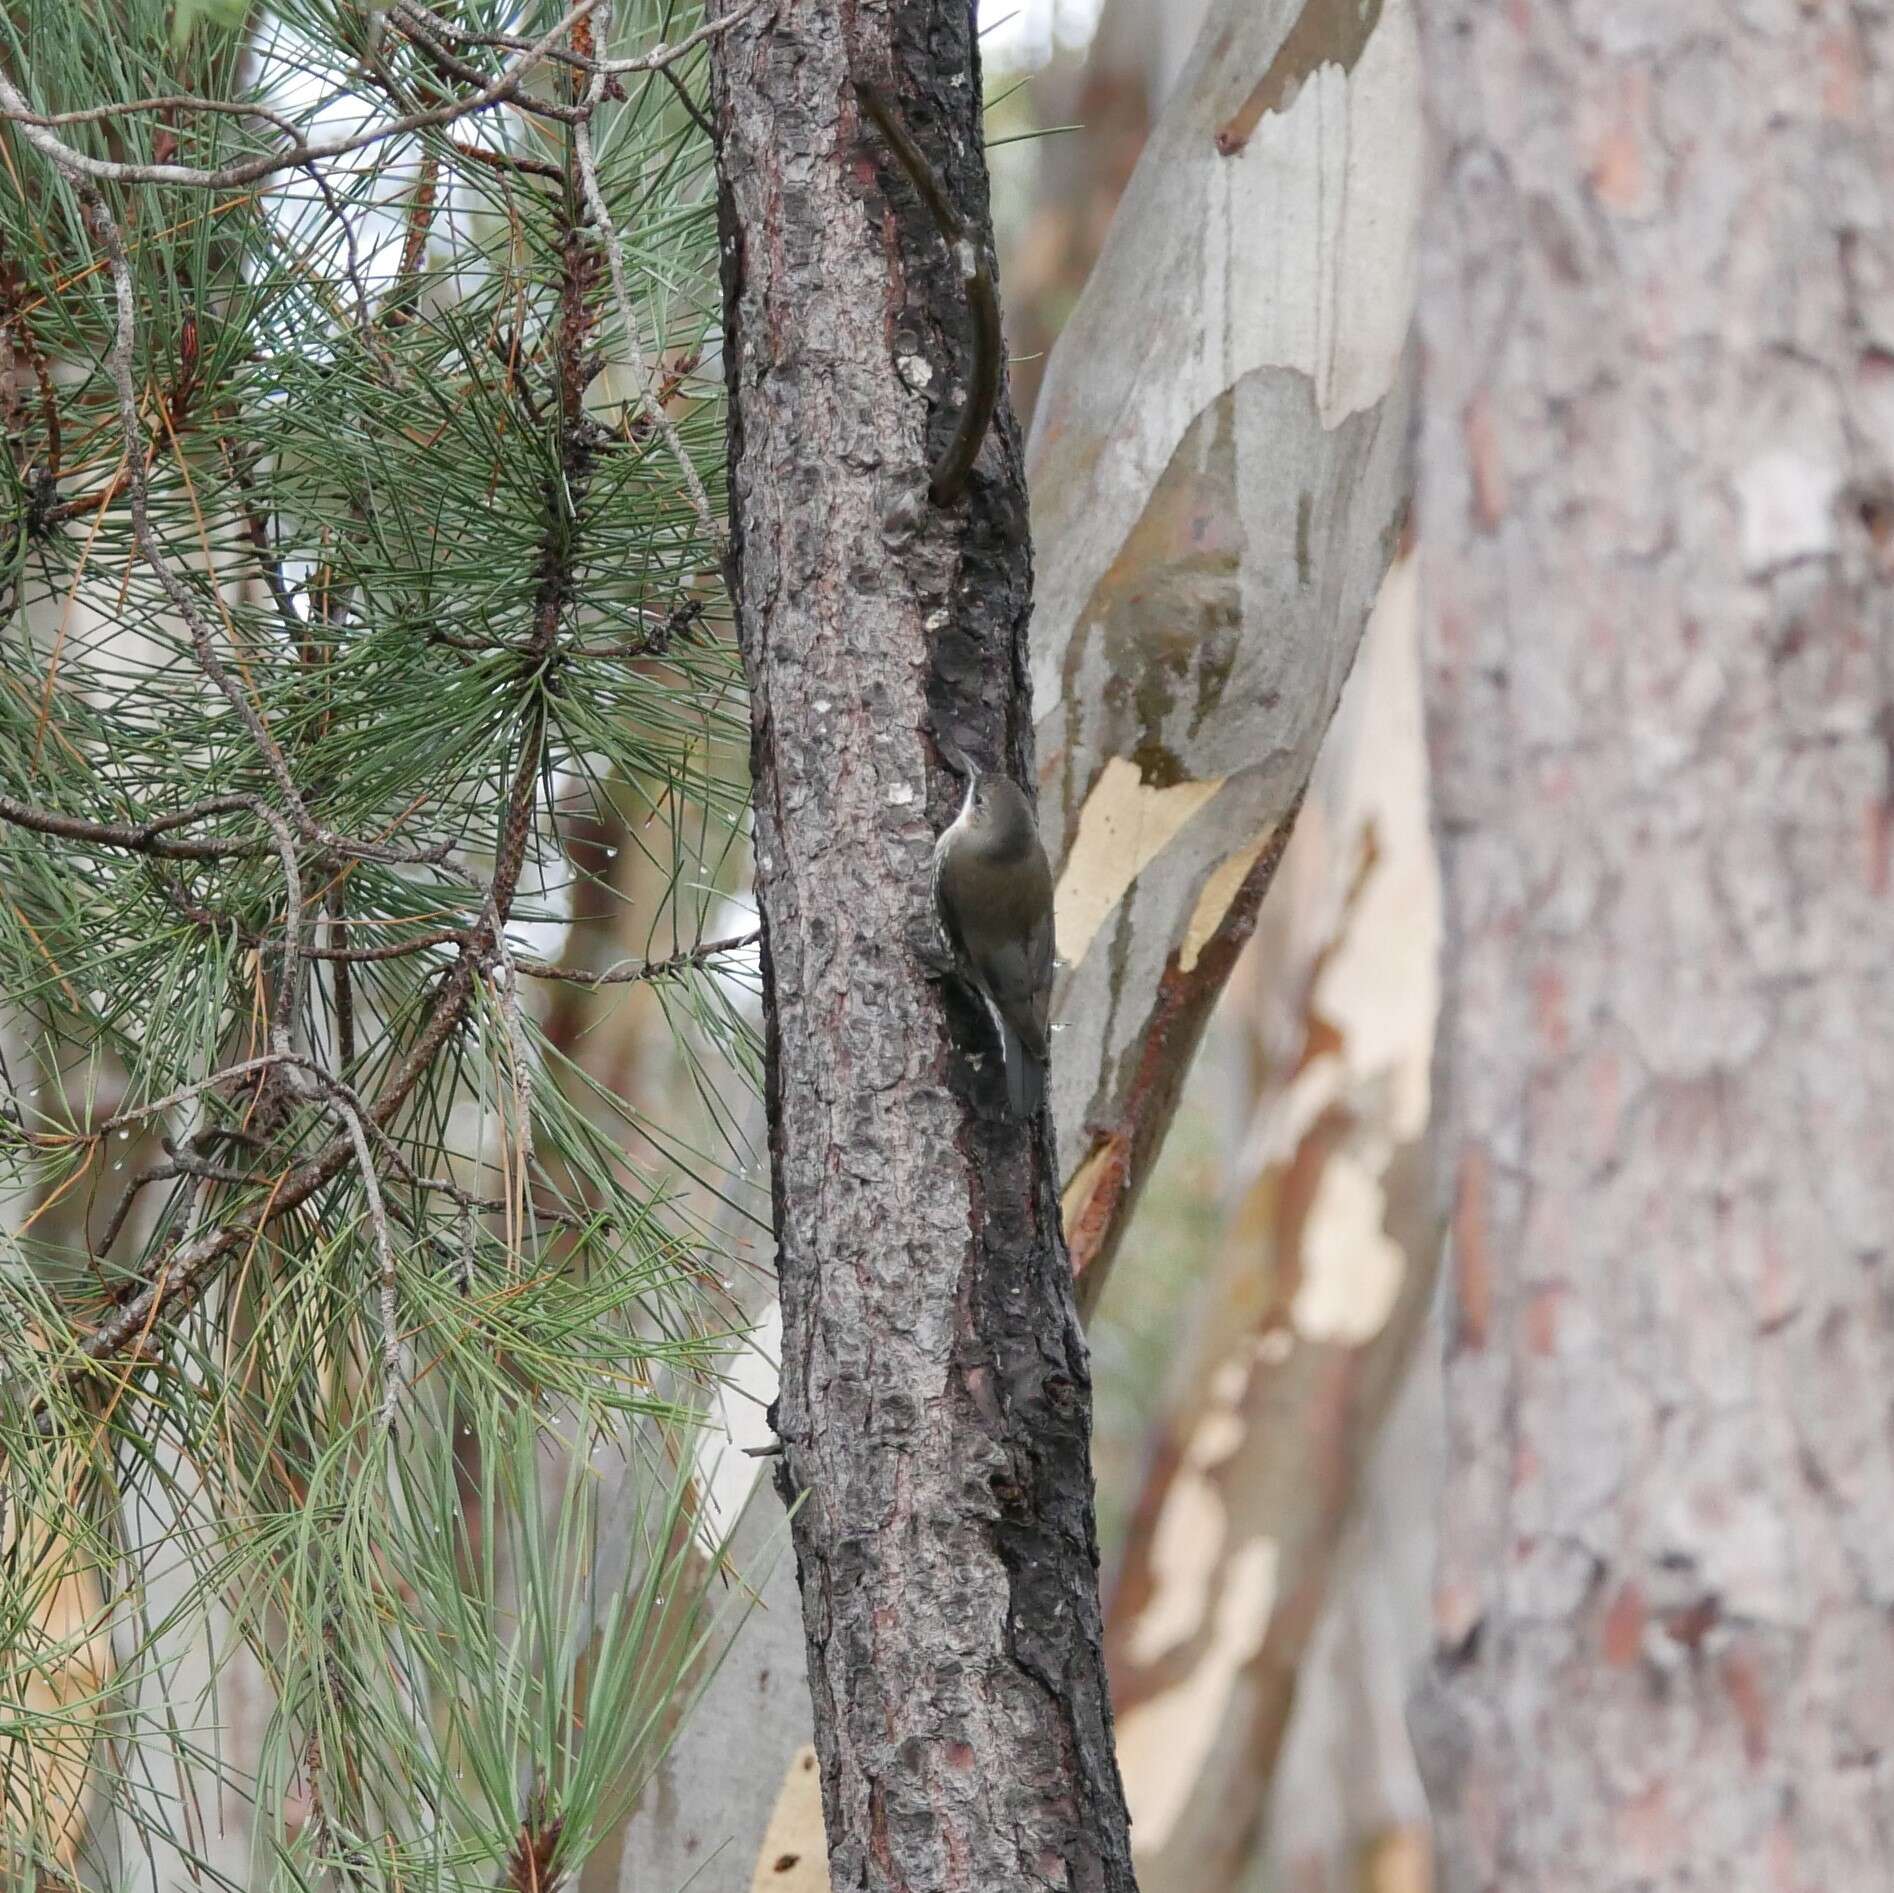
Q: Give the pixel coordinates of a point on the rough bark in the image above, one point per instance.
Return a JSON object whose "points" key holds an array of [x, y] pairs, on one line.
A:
{"points": [[935, 1410], [742, 1773], [1658, 459], [1220, 468]]}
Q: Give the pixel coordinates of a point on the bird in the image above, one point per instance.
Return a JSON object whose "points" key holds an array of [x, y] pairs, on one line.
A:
{"points": [[993, 898]]}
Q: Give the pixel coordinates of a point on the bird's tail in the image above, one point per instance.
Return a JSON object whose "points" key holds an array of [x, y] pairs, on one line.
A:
{"points": [[1025, 1074]]}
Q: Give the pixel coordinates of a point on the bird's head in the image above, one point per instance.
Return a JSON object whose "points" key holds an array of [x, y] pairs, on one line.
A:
{"points": [[995, 813]]}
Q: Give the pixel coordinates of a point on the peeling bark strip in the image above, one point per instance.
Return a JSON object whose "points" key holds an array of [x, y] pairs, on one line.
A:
{"points": [[1658, 435], [1220, 475], [1325, 33], [1100, 1199], [1238, 1560], [936, 1399]]}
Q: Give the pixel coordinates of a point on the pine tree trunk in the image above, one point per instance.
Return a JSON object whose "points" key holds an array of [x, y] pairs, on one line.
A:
{"points": [[935, 1409], [1657, 467]]}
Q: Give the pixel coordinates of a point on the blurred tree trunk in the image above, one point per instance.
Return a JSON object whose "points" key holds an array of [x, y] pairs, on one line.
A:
{"points": [[1659, 461], [60, 1589], [1306, 1321], [936, 1399], [1113, 94], [1214, 537], [1303, 1329], [57, 1663], [712, 1795], [1347, 1811]]}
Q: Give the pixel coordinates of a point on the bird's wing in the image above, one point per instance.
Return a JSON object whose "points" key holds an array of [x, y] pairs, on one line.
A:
{"points": [[1014, 978], [1040, 954]]}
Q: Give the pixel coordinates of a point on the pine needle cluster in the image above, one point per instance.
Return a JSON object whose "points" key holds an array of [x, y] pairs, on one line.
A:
{"points": [[358, 548]]}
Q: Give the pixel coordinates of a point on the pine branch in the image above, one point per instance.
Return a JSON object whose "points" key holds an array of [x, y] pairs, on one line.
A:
{"points": [[700, 955], [504, 88], [310, 626]]}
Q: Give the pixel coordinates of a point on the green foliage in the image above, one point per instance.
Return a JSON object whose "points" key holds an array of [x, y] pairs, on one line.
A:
{"points": [[222, 13], [332, 1279]]}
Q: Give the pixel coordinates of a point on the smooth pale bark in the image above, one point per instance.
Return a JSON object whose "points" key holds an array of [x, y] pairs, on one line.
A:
{"points": [[57, 1664], [714, 1797], [1659, 534], [1310, 1310], [935, 1406], [1240, 349], [1219, 473], [1115, 93], [56, 1786], [1347, 1809]]}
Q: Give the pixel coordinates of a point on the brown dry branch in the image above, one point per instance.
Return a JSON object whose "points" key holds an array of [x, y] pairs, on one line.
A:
{"points": [[505, 87]]}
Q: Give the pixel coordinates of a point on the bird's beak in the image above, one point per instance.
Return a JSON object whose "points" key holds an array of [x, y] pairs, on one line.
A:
{"points": [[953, 755]]}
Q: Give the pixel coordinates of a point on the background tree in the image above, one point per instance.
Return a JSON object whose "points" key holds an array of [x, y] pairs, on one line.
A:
{"points": [[1212, 542], [359, 547], [1658, 460], [1268, 1610]]}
